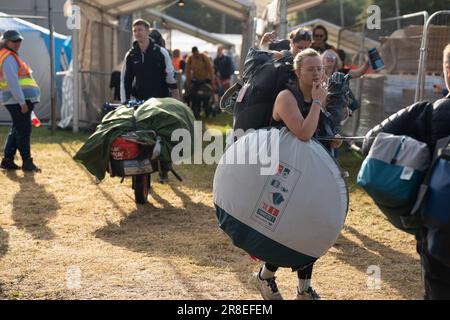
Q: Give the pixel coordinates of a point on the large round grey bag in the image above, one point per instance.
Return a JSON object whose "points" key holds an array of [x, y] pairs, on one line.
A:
{"points": [[287, 211]]}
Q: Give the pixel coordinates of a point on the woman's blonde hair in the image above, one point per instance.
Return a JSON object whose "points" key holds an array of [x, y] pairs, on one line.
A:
{"points": [[302, 55]]}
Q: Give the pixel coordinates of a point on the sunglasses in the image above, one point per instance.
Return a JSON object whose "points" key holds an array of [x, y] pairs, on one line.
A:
{"points": [[16, 41]]}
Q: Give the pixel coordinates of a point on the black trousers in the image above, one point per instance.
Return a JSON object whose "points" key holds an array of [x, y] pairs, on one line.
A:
{"points": [[302, 273], [435, 274], [20, 133]]}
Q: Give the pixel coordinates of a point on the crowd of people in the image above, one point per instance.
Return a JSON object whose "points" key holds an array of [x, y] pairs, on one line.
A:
{"points": [[199, 79]]}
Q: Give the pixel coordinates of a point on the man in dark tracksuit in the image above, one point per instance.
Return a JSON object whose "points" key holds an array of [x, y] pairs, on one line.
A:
{"points": [[149, 66], [147, 72], [436, 273]]}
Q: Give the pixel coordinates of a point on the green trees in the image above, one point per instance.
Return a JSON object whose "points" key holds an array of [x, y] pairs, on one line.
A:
{"points": [[205, 18], [355, 10]]}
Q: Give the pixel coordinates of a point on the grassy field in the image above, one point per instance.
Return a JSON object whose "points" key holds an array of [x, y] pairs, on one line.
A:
{"points": [[59, 225]]}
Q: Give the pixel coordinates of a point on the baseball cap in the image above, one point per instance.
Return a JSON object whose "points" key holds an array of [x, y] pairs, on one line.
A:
{"points": [[12, 35]]}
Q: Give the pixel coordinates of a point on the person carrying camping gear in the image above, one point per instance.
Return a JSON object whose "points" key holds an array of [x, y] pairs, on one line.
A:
{"points": [[433, 237], [19, 92], [428, 213], [278, 57], [150, 67], [298, 108], [333, 66], [199, 77], [158, 38], [299, 39], [268, 72]]}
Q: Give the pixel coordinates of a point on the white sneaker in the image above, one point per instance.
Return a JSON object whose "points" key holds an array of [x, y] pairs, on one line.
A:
{"points": [[268, 288], [309, 294]]}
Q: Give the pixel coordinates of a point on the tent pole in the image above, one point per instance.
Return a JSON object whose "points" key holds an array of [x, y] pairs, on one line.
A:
{"points": [[282, 32], [52, 70], [69, 14], [75, 66], [248, 39]]}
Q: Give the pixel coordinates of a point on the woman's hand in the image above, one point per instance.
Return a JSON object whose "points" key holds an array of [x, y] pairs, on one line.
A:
{"points": [[335, 144], [267, 38], [24, 108], [319, 92], [347, 113]]}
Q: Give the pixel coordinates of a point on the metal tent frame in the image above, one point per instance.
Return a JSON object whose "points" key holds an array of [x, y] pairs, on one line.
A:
{"points": [[242, 10]]}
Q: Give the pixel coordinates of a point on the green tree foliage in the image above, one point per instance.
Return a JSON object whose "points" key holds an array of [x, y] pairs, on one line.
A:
{"points": [[355, 10], [409, 6], [330, 11], [204, 17]]}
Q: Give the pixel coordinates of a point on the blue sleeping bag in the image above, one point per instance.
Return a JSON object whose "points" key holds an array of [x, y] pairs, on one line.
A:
{"points": [[392, 174]]}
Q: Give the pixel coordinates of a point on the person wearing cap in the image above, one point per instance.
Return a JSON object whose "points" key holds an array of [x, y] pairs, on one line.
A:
{"points": [[19, 92], [299, 39]]}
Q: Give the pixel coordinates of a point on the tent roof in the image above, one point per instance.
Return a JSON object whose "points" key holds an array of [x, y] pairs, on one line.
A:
{"points": [[299, 5], [184, 42], [236, 8], [173, 23], [10, 23]]}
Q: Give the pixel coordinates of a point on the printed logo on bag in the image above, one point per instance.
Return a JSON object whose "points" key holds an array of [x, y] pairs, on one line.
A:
{"points": [[275, 195]]}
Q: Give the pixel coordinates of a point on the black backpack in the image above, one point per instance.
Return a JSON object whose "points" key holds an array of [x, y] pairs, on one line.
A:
{"points": [[263, 79]]}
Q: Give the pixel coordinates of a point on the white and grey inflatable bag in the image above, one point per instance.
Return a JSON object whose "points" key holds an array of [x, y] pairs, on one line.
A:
{"points": [[291, 217]]}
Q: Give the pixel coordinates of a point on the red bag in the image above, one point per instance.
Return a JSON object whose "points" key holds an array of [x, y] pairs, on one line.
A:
{"points": [[122, 149]]}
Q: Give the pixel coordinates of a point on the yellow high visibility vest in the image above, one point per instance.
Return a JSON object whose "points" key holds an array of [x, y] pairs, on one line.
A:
{"points": [[26, 81]]}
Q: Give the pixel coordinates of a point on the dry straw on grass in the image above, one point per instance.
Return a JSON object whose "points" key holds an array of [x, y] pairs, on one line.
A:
{"points": [[171, 248]]}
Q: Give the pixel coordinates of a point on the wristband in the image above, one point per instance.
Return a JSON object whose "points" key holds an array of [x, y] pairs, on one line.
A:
{"points": [[318, 102], [322, 109]]}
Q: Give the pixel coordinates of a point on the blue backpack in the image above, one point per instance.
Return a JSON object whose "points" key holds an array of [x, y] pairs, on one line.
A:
{"points": [[433, 203], [436, 207], [392, 174]]}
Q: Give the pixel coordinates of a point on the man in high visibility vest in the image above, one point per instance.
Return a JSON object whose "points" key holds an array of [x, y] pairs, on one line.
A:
{"points": [[19, 93]]}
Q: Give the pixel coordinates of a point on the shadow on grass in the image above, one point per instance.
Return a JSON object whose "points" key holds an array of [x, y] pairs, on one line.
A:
{"points": [[190, 231], [187, 231], [376, 253], [33, 206]]}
